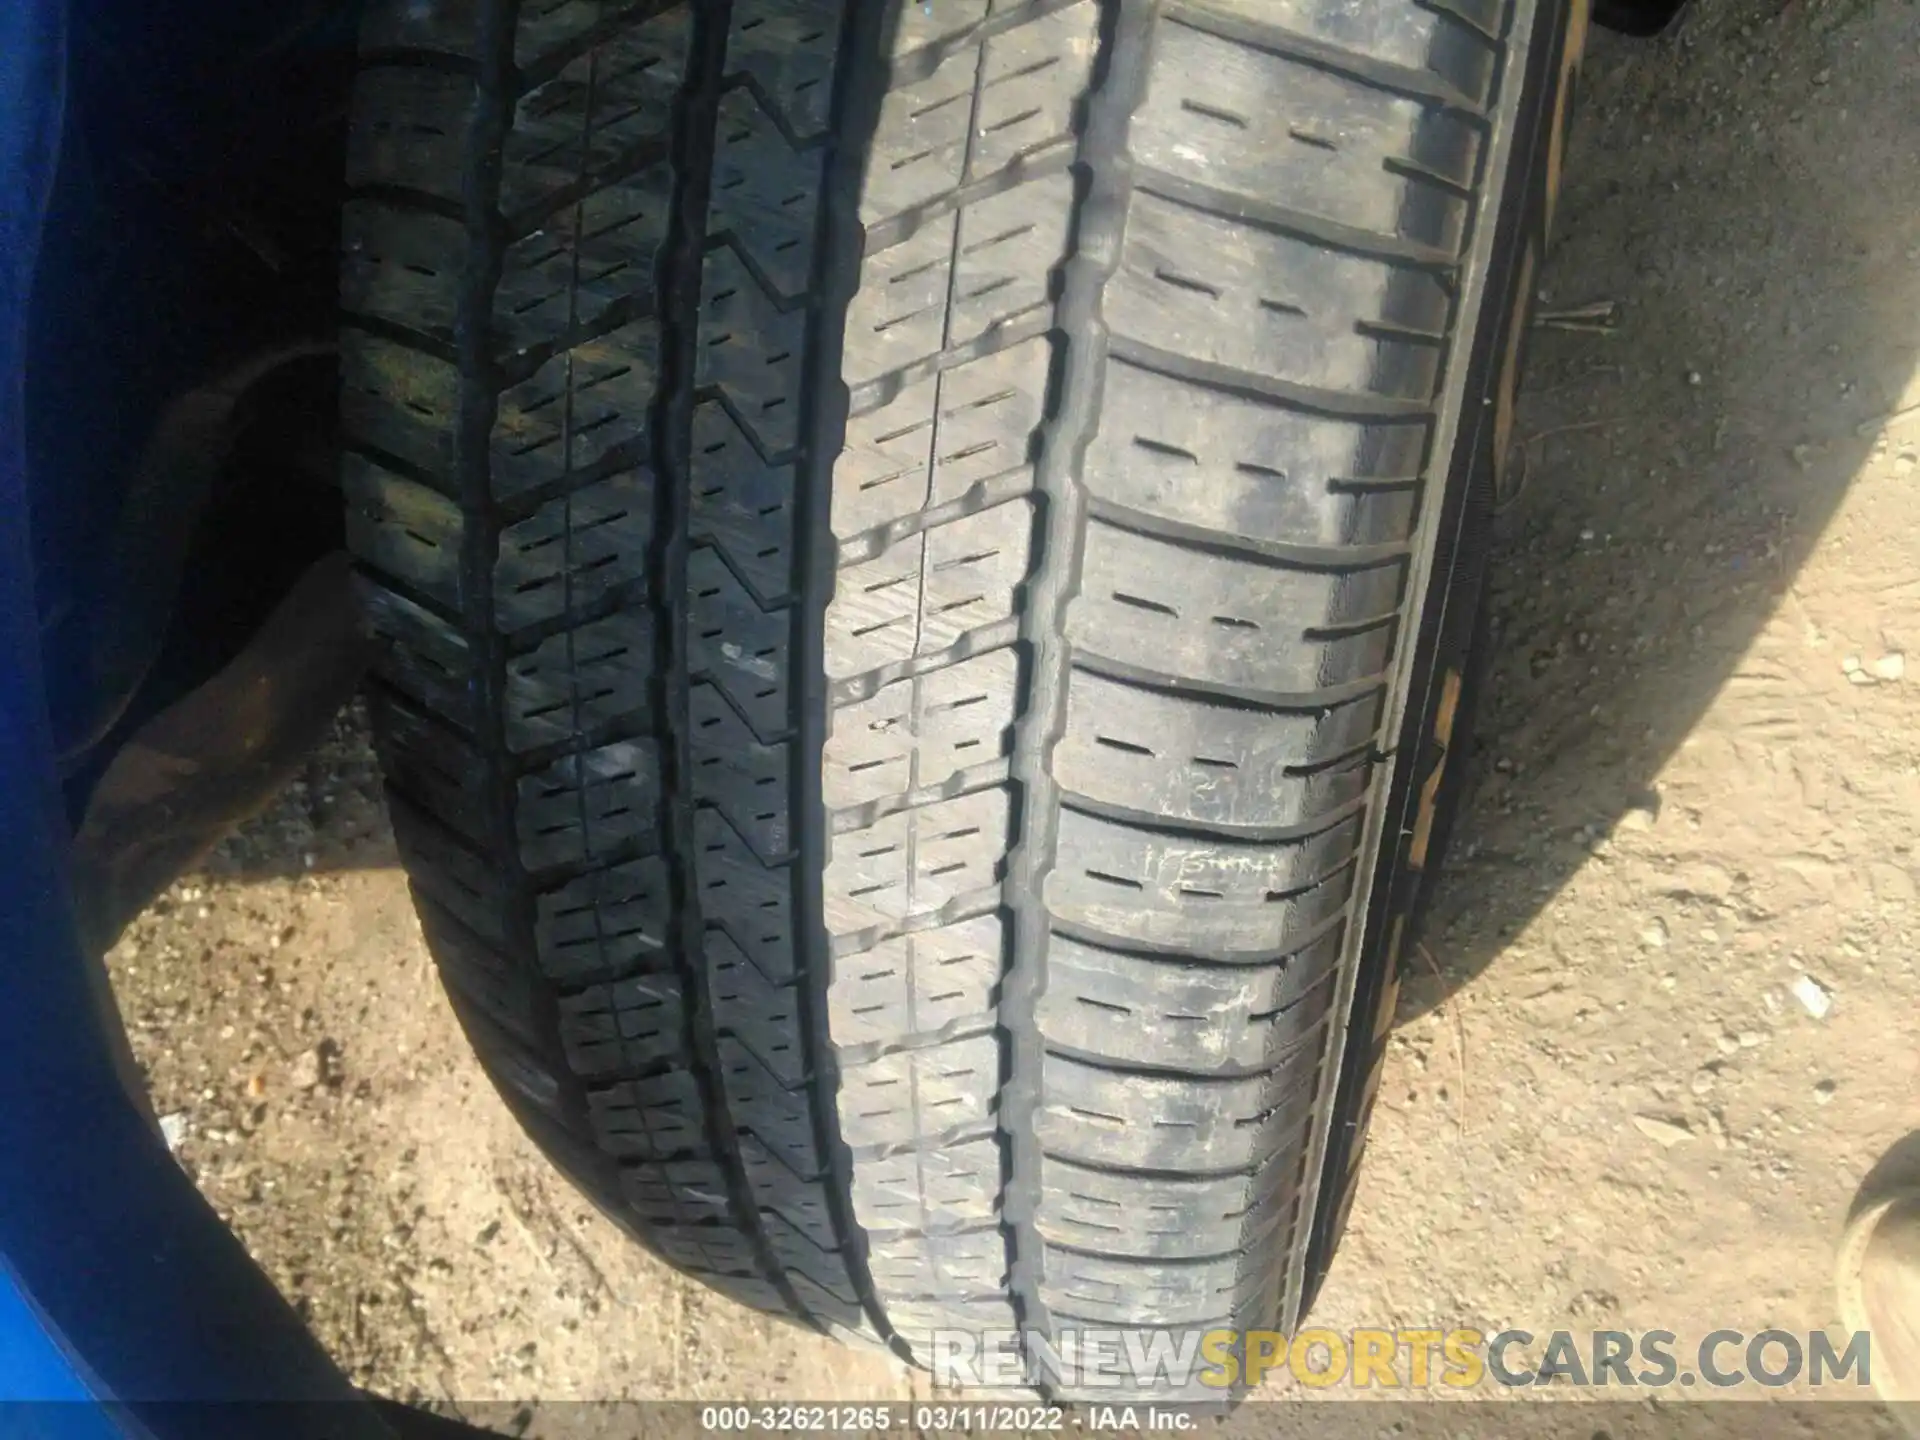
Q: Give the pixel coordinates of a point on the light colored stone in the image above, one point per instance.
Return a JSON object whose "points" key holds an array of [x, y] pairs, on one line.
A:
{"points": [[1812, 995], [1663, 1132]]}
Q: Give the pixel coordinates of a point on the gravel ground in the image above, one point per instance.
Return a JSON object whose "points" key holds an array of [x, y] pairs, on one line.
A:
{"points": [[1692, 825]]}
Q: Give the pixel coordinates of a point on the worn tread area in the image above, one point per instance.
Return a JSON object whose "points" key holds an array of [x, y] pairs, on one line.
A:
{"points": [[967, 211], [1084, 473], [1235, 541]]}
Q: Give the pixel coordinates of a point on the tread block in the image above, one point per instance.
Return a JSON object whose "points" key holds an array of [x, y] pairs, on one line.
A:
{"points": [[779, 1118], [741, 505], [401, 265], [1031, 78], [481, 974], [920, 142], [737, 775], [923, 731], [958, 277], [1194, 456], [765, 195], [1414, 37], [707, 1249], [775, 1182], [580, 679], [1172, 1123], [441, 867], [1165, 754], [604, 924], [917, 1189], [434, 766], [925, 592], [802, 1203], [911, 863], [1262, 126], [574, 550], [820, 1283], [762, 1016], [1171, 1217], [1232, 621], [524, 1078], [738, 646], [969, 1262], [918, 1321], [588, 805], [1130, 1292], [400, 401], [917, 984], [623, 1025], [751, 350], [1216, 896], [738, 894], [679, 1192], [402, 527], [840, 1315], [604, 110], [787, 47], [1171, 1013], [418, 652], [586, 263], [912, 1096], [585, 407], [1212, 290], [656, 1118], [982, 108], [408, 129], [940, 437]]}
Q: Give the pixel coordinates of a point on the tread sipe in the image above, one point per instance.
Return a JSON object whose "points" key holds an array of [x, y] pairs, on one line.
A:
{"points": [[901, 537]]}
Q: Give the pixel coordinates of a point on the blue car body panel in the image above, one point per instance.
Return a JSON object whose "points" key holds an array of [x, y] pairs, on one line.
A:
{"points": [[117, 1281]]}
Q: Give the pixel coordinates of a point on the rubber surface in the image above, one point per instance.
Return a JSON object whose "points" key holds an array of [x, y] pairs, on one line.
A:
{"points": [[893, 532]]}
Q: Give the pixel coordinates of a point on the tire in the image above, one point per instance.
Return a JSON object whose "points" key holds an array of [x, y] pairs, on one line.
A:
{"points": [[922, 558]]}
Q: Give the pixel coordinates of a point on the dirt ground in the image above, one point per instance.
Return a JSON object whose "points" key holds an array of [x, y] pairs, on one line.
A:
{"points": [[1697, 781]]}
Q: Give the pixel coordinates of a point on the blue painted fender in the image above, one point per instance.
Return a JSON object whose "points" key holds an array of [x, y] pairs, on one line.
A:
{"points": [[117, 1281]]}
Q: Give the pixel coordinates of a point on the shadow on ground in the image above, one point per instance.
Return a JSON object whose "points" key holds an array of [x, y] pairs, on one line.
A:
{"points": [[1739, 208]]}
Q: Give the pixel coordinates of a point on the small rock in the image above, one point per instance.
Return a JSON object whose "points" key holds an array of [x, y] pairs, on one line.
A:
{"points": [[1693, 377], [311, 1068], [1823, 1092], [1892, 666], [1850, 665], [1702, 1082], [1750, 1039], [1666, 1133], [1636, 817], [1654, 937], [256, 1085], [1904, 462], [1812, 995], [173, 1129], [1726, 1042]]}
